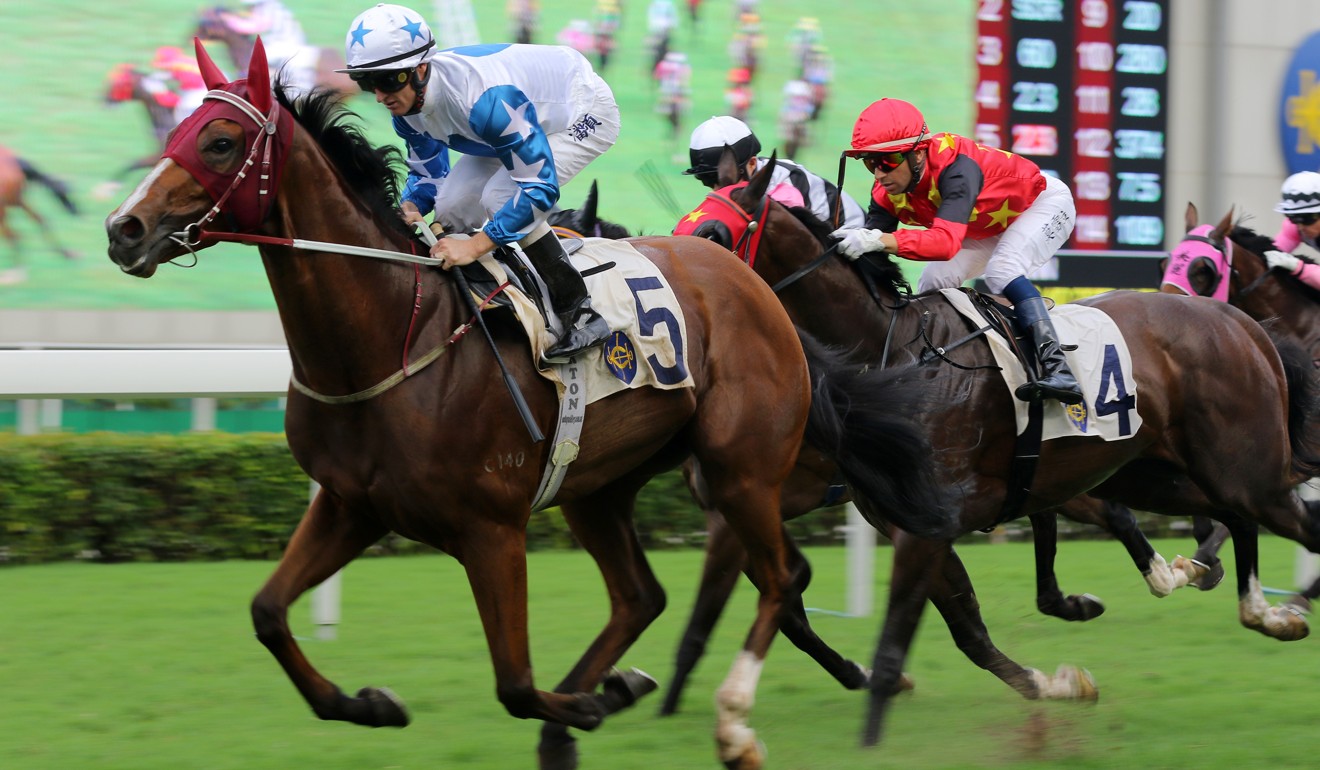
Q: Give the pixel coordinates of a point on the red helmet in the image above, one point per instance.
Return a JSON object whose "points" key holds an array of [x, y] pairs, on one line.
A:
{"points": [[889, 125]]}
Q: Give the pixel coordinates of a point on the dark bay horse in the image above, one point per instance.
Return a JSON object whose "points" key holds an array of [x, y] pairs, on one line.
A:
{"points": [[815, 482], [1186, 458], [443, 459]]}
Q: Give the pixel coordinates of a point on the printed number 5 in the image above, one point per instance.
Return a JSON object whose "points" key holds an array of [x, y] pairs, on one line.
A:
{"points": [[1122, 403], [647, 320]]}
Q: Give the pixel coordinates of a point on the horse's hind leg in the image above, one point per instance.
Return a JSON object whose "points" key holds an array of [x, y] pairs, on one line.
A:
{"points": [[798, 629], [1049, 597], [46, 232], [604, 527], [1283, 622], [1210, 537], [329, 536]]}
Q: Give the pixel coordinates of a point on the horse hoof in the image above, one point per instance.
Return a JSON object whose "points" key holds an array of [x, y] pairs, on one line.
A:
{"points": [[561, 756], [384, 707], [1211, 578], [1299, 604], [624, 688], [1068, 683], [1089, 607], [752, 758], [905, 683]]}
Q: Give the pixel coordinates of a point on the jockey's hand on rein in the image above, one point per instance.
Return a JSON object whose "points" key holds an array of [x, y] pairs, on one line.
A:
{"points": [[856, 241], [1283, 261]]}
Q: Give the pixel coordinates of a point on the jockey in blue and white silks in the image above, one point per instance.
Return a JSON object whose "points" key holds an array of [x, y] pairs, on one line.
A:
{"points": [[524, 118], [539, 134]]}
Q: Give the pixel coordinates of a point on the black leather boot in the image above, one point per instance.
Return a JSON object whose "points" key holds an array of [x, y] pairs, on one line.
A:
{"points": [[1056, 379], [583, 326]]}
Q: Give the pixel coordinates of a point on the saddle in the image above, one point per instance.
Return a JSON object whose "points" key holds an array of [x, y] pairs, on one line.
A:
{"points": [[1000, 319]]}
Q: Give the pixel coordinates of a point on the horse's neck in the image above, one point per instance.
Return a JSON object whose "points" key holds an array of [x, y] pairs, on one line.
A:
{"points": [[341, 314], [833, 303]]}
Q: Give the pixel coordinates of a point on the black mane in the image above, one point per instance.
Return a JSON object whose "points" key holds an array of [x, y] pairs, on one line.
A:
{"points": [[371, 172], [881, 266]]}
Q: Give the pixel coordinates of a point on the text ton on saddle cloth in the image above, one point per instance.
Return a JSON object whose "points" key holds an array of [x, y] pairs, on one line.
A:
{"points": [[647, 346], [1101, 363]]}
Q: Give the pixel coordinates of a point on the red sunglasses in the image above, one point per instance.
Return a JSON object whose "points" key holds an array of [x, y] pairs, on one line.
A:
{"points": [[885, 161]]}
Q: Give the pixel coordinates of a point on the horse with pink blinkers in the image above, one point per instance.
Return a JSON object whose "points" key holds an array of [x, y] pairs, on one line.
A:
{"points": [[435, 453]]}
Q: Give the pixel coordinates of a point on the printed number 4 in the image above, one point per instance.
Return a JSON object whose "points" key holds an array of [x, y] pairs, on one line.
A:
{"points": [[1123, 403], [647, 320]]}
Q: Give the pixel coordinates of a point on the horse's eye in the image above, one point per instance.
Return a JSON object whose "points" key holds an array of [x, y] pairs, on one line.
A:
{"points": [[221, 146]]}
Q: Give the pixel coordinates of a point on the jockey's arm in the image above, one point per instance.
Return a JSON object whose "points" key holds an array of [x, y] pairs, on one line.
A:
{"points": [[506, 120], [428, 165]]}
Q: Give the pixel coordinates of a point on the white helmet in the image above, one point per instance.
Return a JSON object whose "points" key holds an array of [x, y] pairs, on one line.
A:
{"points": [[387, 37], [1300, 194], [709, 138]]}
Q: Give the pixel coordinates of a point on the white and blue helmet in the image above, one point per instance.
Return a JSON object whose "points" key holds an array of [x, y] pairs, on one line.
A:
{"points": [[387, 37]]}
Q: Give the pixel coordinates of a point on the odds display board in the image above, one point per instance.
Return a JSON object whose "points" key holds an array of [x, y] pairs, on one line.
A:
{"points": [[1080, 87]]}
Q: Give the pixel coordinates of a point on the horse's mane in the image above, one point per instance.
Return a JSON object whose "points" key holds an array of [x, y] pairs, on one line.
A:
{"points": [[371, 172], [1259, 244], [881, 266]]}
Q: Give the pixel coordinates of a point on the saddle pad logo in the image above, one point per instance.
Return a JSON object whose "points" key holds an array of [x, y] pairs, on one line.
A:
{"points": [[1076, 414], [621, 357]]}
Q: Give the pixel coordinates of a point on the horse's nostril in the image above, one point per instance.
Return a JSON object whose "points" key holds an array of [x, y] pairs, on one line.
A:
{"points": [[127, 230]]}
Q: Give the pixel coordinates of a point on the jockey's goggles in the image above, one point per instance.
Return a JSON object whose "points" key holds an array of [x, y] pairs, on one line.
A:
{"points": [[387, 81], [1303, 220], [885, 161]]}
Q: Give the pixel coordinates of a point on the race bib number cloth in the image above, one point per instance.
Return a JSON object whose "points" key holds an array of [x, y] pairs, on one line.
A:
{"points": [[1101, 363], [648, 345]]}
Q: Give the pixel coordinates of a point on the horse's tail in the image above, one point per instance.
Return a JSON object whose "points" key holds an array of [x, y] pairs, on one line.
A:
{"points": [[59, 188], [865, 419], [1303, 407]]}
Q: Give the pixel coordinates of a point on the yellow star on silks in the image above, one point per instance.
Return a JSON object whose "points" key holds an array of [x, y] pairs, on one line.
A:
{"points": [[935, 198], [975, 213], [1002, 216], [900, 202], [946, 143], [694, 216]]}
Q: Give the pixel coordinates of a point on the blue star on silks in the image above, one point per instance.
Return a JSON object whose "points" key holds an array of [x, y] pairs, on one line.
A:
{"points": [[359, 33], [414, 29]]}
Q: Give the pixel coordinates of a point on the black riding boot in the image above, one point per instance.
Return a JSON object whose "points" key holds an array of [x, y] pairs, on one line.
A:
{"points": [[1056, 380], [583, 326]]}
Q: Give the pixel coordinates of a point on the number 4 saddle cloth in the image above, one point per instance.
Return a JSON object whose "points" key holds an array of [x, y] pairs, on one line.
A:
{"points": [[1101, 363], [647, 346]]}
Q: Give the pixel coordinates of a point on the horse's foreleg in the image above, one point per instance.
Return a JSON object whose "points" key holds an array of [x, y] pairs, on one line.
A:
{"points": [[329, 536], [719, 575], [953, 595], [604, 527], [916, 563]]}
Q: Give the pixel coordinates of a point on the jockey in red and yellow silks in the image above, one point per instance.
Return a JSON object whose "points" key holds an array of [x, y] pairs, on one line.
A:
{"points": [[985, 212]]}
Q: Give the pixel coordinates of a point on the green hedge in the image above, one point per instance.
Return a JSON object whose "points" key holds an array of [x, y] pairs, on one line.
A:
{"points": [[117, 497]]}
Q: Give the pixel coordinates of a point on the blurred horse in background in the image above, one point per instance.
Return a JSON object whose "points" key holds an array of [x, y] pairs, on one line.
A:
{"points": [[15, 174], [320, 61], [130, 83]]}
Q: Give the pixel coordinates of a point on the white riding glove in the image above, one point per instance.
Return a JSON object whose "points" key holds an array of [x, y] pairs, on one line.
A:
{"points": [[1283, 261], [856, 241]]}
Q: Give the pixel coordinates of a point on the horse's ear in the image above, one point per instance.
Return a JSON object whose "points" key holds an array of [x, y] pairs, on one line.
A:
{"points": [[258, 78], [1224, 227], [760, 181], [211, 74], [589, 207], [727, 169], [1190, 217]]}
